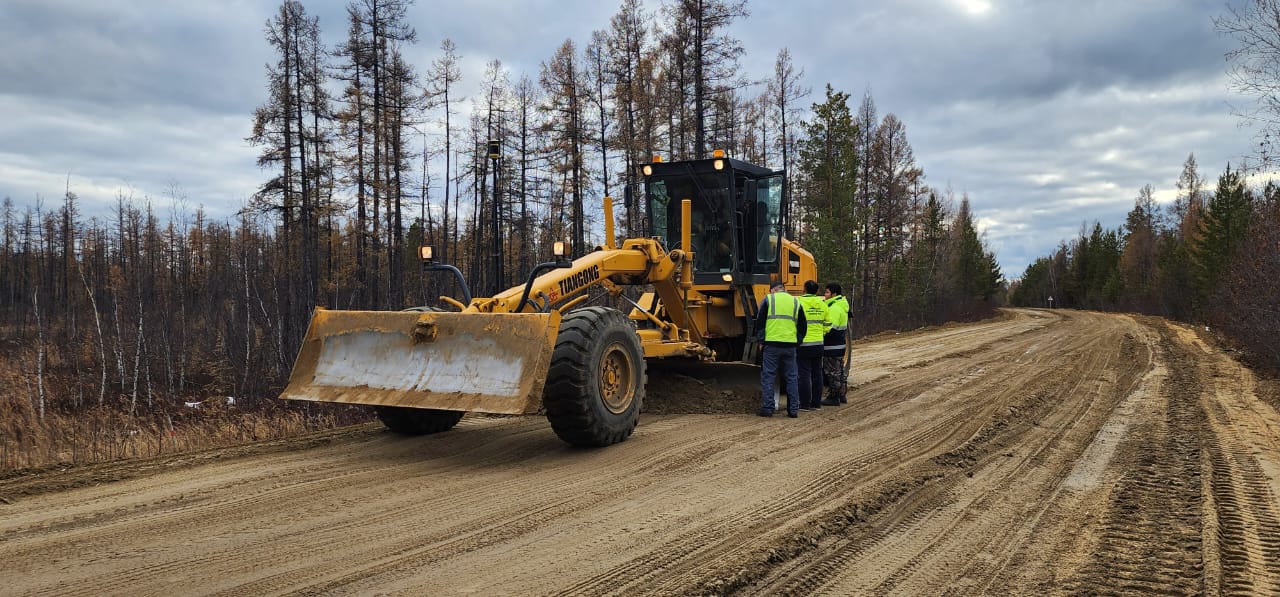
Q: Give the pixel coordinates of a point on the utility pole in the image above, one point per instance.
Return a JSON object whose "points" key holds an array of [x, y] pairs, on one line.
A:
{"points": [[495, 154]]}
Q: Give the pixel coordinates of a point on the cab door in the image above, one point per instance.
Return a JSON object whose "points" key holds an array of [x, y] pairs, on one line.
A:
{"points": [[763, 225]]}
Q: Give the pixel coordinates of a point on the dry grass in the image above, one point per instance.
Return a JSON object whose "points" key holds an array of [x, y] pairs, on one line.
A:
{"points": [[67, 433], [98, 435]]}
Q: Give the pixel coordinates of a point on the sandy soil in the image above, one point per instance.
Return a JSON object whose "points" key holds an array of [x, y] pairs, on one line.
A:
{"points": [[1043, 453]]}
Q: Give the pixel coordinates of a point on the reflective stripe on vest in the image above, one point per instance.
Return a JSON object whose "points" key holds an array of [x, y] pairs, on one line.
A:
{"points": [[815, 314], [780, 323], [838, 314]]}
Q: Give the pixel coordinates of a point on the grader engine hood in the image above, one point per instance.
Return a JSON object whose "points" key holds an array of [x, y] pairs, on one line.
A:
{"points": [[479, 362]]}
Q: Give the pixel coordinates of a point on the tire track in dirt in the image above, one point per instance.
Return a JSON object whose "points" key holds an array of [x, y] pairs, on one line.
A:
{"points": [[957, 393], [680, 545], [416, 550], [1242, 505], [946, 525], [570, 494], [1055, 438], [1053, 546], [883, 356], [1150, 538], [671, 551], [254, 499], [957, 467], [723, 539], [1248, 533]]}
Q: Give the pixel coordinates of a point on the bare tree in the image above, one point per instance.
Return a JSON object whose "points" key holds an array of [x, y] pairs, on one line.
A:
{"points": [[599, 82], [525, 97], [706, 56], [626, 44], [1255, 69], [895, 177], [1138, 260], [866, 122], [444, 74], [784, 91], [561, 79]]}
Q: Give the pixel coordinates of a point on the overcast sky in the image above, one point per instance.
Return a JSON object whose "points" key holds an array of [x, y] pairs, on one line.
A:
{"points": [[1046, 113]]}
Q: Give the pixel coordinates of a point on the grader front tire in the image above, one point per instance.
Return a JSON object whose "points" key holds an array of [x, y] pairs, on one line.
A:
{"points": [[417, 421], [595, 385]]}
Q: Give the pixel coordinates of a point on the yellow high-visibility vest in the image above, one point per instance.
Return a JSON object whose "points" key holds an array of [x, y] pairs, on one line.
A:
{"points": [[815, 315], [783, 318]]}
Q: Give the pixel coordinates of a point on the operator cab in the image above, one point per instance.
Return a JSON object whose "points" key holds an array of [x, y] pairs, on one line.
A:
{"points": [[736, 216]]}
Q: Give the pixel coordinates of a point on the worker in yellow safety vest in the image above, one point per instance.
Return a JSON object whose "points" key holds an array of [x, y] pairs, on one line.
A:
{"points": [[809, 354], [835, 366], [782, 324]]}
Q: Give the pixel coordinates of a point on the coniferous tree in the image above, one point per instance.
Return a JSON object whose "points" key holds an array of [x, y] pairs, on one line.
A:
{"points": [[1245, 305], [286, 127], [976, 272], [598, 80], [1181, 232], [826, 166], [1222, 229]]}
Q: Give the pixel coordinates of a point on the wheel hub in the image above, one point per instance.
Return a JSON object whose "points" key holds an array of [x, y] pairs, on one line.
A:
{"points": [[617, 379]]}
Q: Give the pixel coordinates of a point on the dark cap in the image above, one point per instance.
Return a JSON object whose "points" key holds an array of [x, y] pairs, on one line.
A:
{"points": [[777, 284]]}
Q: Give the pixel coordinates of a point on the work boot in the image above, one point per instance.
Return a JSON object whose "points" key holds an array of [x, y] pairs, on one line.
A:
{"points": [[831, 402], [765, 413], [844, 400], [793, 415]]}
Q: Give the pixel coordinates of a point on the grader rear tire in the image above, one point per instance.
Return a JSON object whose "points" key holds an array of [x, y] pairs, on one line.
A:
{"points": [[595, 385], [417, 421]]}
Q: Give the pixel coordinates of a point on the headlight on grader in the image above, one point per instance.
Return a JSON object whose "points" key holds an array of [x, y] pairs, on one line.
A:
{"points": [[426, 253]]}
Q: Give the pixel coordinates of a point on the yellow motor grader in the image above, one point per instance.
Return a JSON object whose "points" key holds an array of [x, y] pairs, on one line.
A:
{"points": [[715, 244]]}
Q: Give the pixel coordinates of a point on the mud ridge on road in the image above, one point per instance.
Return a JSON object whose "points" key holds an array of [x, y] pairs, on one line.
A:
{"points": [[34, 482]]}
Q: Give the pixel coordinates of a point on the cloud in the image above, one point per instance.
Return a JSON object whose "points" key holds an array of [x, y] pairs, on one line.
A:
{"points": [[1046, 114], [121, 54]]}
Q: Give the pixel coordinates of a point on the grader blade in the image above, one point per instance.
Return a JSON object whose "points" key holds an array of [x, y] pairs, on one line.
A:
{"points": [[477, 362]]}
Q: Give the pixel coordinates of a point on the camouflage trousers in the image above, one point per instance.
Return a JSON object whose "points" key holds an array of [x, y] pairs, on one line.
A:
{"points": [[835, 377]]}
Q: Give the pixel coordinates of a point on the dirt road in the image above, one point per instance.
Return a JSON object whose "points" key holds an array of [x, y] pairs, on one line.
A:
{"points": [[1045, 452]]}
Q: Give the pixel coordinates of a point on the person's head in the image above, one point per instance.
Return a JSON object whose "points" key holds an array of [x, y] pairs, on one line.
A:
{"points": [[833, 289], [811, 287], [778, 286]]}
